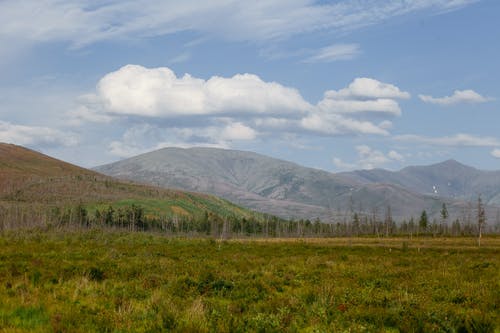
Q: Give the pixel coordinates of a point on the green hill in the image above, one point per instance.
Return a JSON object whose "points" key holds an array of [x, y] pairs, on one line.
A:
{"points": [[35, 188]]}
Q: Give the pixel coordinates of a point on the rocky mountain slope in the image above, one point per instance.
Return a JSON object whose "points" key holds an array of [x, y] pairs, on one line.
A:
{"points": [[278, 187], [447, 179]]}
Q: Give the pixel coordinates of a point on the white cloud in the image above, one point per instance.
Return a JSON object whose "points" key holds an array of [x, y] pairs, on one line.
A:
{"points": [[382, 105], [334, 124], [249, 103], [121, 149], [335, 52], [495, 153], [348, 110], [394, 155], [369, 158], [367, 88], [341, 165], [158, 92], [83, 114], [458, 97], [385, 124], [35, 136], [238, 131], [183, 57], [273, 123], [456, 4], [190, 111], [81, 22], [457, 140]]}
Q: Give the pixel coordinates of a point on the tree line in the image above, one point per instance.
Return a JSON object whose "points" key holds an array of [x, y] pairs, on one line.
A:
{"points": [[134, 218]]}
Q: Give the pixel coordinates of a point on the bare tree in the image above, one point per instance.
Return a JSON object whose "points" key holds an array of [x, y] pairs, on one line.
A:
{"points": [[481, 219], [388, 220], [497, 221]]}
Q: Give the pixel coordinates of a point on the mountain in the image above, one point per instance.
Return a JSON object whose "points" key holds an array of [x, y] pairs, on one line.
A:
{"points": [[447, 179], [32, 183], [272, 185]]}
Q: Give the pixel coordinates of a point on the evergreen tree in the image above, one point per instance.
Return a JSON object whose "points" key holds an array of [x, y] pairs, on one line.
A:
{"points": [[423, 222], [355, 224], [444, 218]]}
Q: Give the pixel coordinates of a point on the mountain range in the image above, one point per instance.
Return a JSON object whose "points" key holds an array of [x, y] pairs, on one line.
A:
{"points": [[449, 179], [289, 190]]}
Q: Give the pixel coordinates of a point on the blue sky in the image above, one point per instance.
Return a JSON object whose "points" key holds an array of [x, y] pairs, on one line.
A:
{"points": [[337, 85]]}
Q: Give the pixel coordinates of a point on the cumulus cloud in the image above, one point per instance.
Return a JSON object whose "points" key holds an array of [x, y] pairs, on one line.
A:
{"points": [[335, 52], [458, 140], [394, 155], [350, 110], [367, 88], [458, 97], [385, 124], [273, 123], [248, 102], [381, 105], [35, 136], [238, 131], [495, 153], [220, 110], [369, 158], [364, 97], [334, 124], [158, 92]]}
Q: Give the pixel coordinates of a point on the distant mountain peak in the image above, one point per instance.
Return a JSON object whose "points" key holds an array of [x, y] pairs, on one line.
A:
{"points": [[447, 165], [451, 161], [453, 164]]}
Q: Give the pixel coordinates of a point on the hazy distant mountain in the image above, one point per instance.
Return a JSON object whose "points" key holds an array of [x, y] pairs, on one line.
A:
{"points": [[276, 186], [447, 179]]}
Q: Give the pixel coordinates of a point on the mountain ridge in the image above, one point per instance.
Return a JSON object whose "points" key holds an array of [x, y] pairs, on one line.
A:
{"points": [[281, 187], [449, 178]]}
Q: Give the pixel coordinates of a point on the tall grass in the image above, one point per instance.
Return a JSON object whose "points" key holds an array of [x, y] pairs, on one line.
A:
{"points": [[115, 282]]}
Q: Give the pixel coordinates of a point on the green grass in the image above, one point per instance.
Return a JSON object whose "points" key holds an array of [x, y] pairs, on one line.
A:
{"points": [[193, 205], [118, 282]]}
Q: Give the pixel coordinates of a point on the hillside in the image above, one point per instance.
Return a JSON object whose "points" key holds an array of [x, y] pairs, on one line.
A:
{"points": [[32, 183], [271, 185]]}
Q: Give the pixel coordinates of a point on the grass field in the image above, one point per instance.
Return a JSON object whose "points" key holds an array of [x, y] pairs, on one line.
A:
{"points": [[118, 282]]}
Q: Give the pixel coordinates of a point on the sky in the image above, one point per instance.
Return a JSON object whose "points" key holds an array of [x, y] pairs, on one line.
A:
{"points": [[336, 85]]}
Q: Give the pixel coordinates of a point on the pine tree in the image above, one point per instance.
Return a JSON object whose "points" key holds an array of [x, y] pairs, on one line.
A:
{"points": [[444, 218], [423, 222]]}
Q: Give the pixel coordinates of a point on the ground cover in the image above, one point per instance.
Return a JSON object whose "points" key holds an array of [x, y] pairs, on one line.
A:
{"points": [[116, 281]]}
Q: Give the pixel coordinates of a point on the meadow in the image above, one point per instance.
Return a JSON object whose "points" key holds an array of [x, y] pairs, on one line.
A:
{"points": [[111, 281]]}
